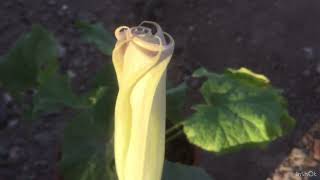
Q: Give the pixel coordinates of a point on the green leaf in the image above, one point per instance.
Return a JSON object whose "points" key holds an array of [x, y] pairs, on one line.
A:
{"points": [[87, 145], [97, 35], [200, 72], [106, 76], [176, 98], [20, 67], [177, 171], [55, 92], [242, 110]]}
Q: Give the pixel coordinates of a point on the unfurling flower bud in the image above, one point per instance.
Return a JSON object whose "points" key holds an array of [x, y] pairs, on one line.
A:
{"points": [[140, 58]]}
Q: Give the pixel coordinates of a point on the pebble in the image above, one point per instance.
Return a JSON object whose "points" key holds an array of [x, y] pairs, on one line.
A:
{"points": [[239, 39], [297, 157], [307, 141], [191, 28], [42, 138], [318, 68], [62, 51], [64, 7], [41, 164], [317, 90], [310, 163], [52, 2], [3, 114], [71, 74], [20, 2], [60, 13], [7, 98], [3, 154], [16, 154], [276, 177], [308, 52], [13, 123], [306, 73], [316, 149], [291, 176], [8, 4]]}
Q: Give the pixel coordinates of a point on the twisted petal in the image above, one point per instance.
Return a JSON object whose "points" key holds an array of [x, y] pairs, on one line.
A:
{"points": [[140, 59]]}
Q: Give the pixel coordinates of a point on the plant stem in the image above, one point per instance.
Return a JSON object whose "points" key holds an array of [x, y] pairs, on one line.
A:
{"points": [[174, 136], [174, 127]]}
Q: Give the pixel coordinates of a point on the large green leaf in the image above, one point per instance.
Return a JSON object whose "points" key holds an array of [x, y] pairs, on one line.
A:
{"points": [[20, 67], [106, 76], [242, 109], [176, 98], [177, 171], [55, 92], [87, 146], [97, 35]]}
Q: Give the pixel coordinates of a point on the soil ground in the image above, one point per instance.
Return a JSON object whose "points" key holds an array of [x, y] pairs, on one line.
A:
{"points": [[278, 38]]}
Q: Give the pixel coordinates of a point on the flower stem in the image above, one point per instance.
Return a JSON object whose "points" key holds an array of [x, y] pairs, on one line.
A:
{"points": [[174, 128], [174, 136]]}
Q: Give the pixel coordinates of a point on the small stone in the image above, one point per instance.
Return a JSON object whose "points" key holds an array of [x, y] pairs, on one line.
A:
{"points": [[307, 140], [13, 123], [25, 168], [191, 28], [239, 39], [291, 176], [71, 74], [277, 177], [318, 68], [62, 51], [52, 2], [60, 13], [41, 164], [297, 157], [298, 153], [42, 138], [91, 49], [306, 73], [310, 163], [64, 7], [317, 90], [16, 154], [82, 88], [77, 63], [8, 4], [45, 17], [3, 154], [316, 149], [21, 2], [308, 52], [20, 142], [283, 168], [7, 98]]}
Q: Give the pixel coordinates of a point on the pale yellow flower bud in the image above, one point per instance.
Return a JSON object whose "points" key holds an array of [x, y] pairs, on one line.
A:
{"points": [[140, 58]]}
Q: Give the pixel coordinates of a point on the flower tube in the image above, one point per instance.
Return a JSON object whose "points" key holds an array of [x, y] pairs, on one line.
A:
{"points": [[140, 58]]}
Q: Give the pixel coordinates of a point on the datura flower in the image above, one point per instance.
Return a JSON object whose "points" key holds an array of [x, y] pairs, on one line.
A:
{"points": [[140, 58]]}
